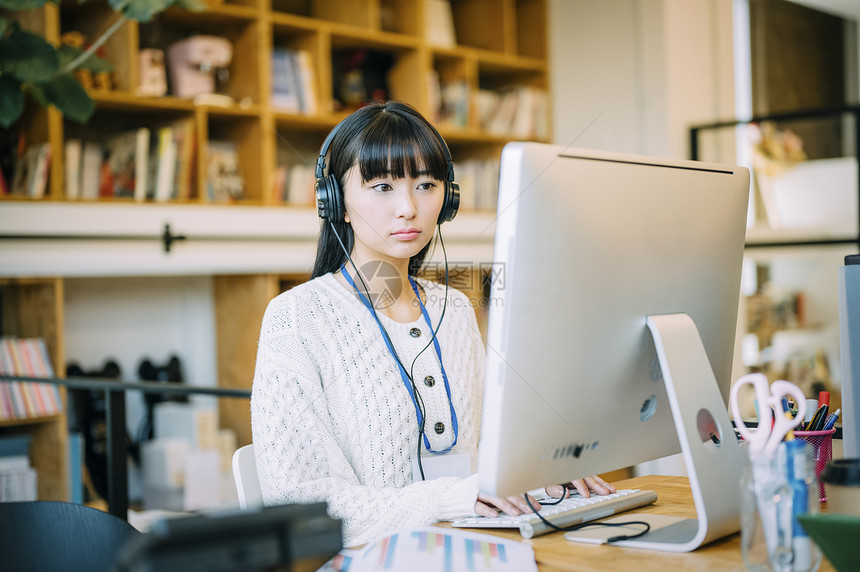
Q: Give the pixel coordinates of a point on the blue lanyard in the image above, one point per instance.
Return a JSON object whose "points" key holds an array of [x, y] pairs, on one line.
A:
{"points": [[403, 375]]}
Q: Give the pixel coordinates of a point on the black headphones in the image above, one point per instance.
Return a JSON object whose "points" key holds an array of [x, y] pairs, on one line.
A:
{"points": [[329, 196]]}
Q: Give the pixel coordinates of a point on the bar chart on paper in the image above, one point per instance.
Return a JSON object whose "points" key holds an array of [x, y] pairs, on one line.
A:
{"points": [[436, 549]]}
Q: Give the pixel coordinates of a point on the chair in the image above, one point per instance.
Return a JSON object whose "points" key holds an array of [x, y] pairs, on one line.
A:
{"points": [[53, 535], [245, 475]]}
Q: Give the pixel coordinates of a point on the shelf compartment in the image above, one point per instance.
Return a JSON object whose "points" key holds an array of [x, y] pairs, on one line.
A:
{"points": [[246, 36]]}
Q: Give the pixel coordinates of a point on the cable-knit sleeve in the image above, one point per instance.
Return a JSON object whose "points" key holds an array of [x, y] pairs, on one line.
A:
{"points": [[299, 459]]}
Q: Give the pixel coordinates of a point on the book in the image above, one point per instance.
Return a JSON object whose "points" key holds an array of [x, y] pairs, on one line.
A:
{"points": [[121, 165], [91, 164], [165, 165], [223, 178], [300, 185], [73, 154], [184, 139], [285, 87], [27, 357], [31, 172], [40, 171], [141, 164], [306, 79], [279, 186]]}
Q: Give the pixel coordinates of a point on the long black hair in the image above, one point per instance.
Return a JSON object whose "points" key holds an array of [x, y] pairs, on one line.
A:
{"points": [[383, 139]]}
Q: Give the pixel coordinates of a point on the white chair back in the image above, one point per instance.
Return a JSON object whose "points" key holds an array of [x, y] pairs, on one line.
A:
{"points": [[245, 475]]}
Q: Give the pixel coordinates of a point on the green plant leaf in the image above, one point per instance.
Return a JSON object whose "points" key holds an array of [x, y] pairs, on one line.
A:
{"points": [[21, 4], [191, 5], [4, 25], [11, 101], [68, 96], [140, 10], [27, 57]]}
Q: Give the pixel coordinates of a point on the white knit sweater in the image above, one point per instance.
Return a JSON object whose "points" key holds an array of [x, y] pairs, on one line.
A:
{"points": [[332, 420]]}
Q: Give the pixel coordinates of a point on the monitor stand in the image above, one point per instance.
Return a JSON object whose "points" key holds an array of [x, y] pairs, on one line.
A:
{"points": [[714, 470]]}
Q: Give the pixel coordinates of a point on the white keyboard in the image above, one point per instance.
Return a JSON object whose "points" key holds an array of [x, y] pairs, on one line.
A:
{"points": [[572, 510]]}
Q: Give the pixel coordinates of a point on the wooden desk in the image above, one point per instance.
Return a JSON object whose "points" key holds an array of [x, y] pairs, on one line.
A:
{"points": [[554, 553]]}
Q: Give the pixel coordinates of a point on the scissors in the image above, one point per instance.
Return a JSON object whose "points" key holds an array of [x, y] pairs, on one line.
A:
{"points": [[772, 428]]}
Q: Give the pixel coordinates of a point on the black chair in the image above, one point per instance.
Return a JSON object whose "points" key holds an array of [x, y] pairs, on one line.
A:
{"points": [[51, 535]]}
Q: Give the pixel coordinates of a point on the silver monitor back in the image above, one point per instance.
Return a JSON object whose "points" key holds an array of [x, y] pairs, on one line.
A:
{"points": [[587, 245]]}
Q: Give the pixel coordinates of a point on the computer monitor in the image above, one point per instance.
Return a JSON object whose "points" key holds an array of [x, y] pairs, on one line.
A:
{"points": [[616, 276]]}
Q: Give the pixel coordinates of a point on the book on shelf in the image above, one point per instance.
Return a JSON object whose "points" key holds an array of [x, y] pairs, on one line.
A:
{"points": [[279, 185], [72, 157], [521, 111], [31, 172], [91, 166], [293, 81], [224, 180], [124, 169], [26, 357], [171, 161], [300, 185], [17, 476], [479, 183]]}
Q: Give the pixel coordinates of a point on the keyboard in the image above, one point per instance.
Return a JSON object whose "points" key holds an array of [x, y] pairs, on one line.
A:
{"points": [[572, 510]]}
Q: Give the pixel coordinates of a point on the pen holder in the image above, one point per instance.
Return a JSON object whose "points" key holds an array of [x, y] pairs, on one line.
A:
{"points": [[775, 490], [822, 453]]}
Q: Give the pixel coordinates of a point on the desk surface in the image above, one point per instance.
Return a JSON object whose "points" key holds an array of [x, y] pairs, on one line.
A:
{"points": [[554, 553]]}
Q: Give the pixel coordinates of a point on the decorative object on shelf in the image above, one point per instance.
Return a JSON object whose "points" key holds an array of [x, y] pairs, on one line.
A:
{"points": [[775, 150], [196, 62], [153, 76]]}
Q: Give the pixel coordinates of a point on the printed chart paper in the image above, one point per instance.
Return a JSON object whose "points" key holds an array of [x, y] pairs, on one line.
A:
{"points": [[437, 550]]}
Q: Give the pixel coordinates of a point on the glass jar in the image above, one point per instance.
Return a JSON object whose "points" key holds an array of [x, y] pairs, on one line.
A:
{"points": [[774, 490]]}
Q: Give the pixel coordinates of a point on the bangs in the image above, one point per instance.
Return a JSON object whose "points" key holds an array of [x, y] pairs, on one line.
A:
{"points": [[393, 147]]}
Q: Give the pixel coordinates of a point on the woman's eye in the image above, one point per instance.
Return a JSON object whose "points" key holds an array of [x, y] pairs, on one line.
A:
{"points": [[382, 187], [427, 186]]}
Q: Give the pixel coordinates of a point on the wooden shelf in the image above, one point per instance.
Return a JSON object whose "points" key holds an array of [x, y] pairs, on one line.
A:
{"points": [[33, 307]]}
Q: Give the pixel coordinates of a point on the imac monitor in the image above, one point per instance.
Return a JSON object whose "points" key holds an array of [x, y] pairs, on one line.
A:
{"points": [[592, 249]]}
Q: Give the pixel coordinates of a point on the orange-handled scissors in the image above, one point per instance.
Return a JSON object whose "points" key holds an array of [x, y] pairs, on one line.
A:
{"points": [[773, 424]]}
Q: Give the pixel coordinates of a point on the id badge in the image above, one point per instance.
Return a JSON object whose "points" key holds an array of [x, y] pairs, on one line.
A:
{"points": [[447, 465]]}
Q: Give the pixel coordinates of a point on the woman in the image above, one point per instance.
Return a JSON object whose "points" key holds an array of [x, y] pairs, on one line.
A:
{"points": [[349, 372]]}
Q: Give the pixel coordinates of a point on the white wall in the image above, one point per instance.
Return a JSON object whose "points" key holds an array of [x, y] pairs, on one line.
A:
{"points": [[131, 318], [633, 75]]}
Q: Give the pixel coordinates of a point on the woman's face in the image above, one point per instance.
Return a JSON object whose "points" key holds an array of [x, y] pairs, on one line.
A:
{"points": [[392, 219]]}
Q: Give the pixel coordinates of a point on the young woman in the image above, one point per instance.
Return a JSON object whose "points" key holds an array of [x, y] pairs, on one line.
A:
{"points": [[354, 399]]}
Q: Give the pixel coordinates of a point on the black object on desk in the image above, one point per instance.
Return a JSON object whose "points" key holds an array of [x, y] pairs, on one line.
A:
{"points": [[285, 537]]}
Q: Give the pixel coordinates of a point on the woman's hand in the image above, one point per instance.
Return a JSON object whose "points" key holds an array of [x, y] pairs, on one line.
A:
{"points": [[585, 485], [513, 506]]}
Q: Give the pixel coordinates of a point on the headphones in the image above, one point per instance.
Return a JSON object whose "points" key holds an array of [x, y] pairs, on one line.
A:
{"points": [[330, 204]]}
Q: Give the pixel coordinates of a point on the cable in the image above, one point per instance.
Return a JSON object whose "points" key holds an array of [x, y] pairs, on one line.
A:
{"points": [[433, 337], [587, 524]]}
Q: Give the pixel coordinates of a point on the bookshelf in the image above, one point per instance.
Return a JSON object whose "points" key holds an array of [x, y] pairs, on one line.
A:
{"points": [[500, 49], [33, 308]]}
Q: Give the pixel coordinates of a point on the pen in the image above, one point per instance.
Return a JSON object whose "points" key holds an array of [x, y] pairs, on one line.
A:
{"points": [[814, 421], [821, 417], [831, 420]]}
